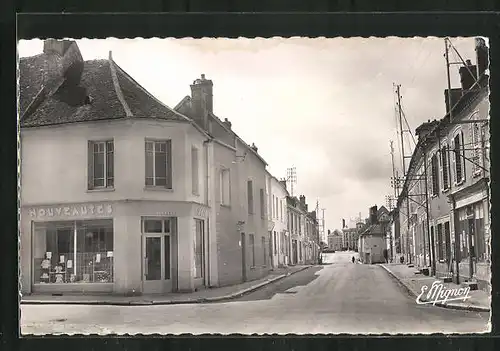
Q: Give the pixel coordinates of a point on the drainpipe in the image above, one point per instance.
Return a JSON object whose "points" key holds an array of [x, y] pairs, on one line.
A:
{"points": [[207, 203]]}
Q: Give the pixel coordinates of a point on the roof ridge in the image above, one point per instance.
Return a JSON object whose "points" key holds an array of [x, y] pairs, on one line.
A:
{"points": [[148, 93], [118, 89]]}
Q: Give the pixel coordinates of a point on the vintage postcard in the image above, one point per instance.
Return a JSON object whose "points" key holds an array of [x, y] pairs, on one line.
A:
{"points": [[254, 186]]}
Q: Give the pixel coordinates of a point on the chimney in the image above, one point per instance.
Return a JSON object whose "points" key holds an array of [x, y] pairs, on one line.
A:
{"points": [[202, 100], [64, 63], [456, 94], [468, 75], [482, 56], [424, 129], [373, 215], [54, 46], [283, 182], [302, 200], [329, 232], [227, 123], [254, 148]]}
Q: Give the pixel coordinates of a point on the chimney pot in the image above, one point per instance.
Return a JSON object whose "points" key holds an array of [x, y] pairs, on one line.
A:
{"points": [[468, 62], [202, 76]]}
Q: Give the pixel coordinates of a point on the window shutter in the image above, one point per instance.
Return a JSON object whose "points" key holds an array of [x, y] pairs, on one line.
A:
{"points": [[90, 165], [441, 168], [169, 164], [472, 146], [462, 148]]}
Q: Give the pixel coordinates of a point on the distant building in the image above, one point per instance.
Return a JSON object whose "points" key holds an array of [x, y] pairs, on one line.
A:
{"points": [[335, 240], [350, 239], [372, 239], [279, 247]]}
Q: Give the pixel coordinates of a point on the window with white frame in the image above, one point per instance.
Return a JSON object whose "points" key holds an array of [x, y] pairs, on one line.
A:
{"points": [[195, 177], [225, 187], [159, 163], [458, 157], [100, 164], [445, 157]]}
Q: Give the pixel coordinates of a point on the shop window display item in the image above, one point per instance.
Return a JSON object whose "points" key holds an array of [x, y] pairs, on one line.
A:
{"points": [[73, 252]]}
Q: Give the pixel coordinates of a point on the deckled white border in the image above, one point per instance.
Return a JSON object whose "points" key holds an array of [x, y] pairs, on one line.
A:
{"points": [[287, 39]]}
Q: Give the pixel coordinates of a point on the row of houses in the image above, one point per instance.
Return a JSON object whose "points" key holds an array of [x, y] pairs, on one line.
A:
{"points": [[442, 215], [122, 194]]}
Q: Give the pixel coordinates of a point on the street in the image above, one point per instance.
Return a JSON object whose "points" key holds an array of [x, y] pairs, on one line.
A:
{"points": [[338, 297]]}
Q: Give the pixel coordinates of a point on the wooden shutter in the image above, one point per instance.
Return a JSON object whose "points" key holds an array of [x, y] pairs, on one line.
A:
{"points": [[90, 165]]}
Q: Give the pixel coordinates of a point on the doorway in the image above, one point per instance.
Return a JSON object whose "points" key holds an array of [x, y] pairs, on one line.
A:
{"points": [[157, 266], [243, 258]]}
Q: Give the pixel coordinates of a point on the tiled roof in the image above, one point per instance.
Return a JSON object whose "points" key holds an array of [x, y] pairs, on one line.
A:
{"points": [[142, 103], [94, 97]]}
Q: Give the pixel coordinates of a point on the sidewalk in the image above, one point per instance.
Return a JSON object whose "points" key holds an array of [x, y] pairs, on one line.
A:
{"points": [[479, 299], [201, 296]]}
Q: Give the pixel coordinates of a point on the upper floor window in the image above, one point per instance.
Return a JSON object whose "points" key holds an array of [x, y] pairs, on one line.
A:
{"points": [[273, 208], [262, 203], [276, 207], [225, 187], [100, 164], [281, 210], [159, 163], [458, 155], [195, 171], [250, 196], [434, 175], [445, 167]]}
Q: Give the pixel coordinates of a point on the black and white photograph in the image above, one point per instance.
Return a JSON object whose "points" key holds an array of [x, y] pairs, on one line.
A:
{"points": [[254, 186]]}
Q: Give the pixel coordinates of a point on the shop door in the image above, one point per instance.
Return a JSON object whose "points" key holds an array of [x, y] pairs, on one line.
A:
{"points": [[157, 271]]}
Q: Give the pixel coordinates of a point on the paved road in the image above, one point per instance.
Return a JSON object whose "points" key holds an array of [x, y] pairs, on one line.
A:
{"points": [[338, 298]]}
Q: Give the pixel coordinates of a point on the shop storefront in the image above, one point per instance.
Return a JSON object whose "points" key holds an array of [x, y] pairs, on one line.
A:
{"points": [[472, 228], [120, 247]]}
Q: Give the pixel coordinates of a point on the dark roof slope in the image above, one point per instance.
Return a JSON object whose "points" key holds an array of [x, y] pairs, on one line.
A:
{"points": [[95, 96], [142, 103]]}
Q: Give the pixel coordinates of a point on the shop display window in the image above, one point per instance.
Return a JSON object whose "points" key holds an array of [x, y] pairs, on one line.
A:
{"points": [[73, 252]]}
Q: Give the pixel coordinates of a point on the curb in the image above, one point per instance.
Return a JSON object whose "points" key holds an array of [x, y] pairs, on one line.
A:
{"points": [[167, 302], [439, 304]]}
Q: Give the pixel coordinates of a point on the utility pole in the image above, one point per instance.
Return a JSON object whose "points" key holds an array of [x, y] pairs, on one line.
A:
{"points": [[291, 177], [447, 58], [393, 171], [403, 158]]}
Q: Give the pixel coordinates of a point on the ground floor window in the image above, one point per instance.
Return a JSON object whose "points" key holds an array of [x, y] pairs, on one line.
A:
{"points": [[440, 241], [471, 232], [73, 252], [199, 248], [263, 240]]}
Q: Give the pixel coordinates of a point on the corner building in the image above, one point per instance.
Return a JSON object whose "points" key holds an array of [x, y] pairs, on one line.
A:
{"points": [[119, 192]]}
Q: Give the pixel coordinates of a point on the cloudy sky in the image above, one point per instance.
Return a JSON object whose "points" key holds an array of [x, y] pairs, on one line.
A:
{"points": [[325, 106]]}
